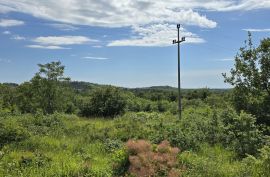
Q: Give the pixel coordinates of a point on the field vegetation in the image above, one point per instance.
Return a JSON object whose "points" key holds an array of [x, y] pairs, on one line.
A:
{"points": [[52, 126]]}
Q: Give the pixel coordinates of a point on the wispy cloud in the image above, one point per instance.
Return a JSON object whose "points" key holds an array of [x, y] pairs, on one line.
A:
{"points": [[10, 22], [64, 27], [6, 32], [18, 37], [51, 47], [63, 40], [155, 35], [244, 5], [225, 59], [257, 30], [97, 46], [96, 58], [57, 42]]}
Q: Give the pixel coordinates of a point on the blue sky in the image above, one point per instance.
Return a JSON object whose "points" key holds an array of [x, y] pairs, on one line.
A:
{"points": [[128, 42]]}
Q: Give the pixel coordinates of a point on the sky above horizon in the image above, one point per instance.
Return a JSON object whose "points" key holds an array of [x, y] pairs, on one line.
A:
{"points": [[128, 42]]}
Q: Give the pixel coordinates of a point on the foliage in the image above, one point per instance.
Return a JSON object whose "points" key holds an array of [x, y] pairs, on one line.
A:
{"points": [[212, 161], [65, 145], [11, 132], [106, 102], [259, 166], [120, 161], [243, 135], [44, 91], [251, 80], [7, 98], [37, 138]]}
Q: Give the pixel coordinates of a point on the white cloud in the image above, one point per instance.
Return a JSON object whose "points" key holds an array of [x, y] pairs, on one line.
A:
{"points": [[64, 27], [136, 14], [257, 30], [57, 42], [235, 5], [6, 32], [52, 47], [156, 35], [63, 40], [114, 13], [97, 46], [225, 59], [10, 22], [96, 58], [119, 13], [18, 37]]}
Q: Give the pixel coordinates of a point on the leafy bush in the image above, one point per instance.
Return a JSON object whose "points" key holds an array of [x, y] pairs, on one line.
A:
{"points": [[40, 124], [112, 145], [132, 126], [11, 132], [242, 133], [145, 160], [259, 166], [120, 161], [107, 102]]}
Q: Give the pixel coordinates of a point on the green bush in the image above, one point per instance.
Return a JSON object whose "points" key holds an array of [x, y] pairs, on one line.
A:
{"points": [[259, 166], [241, 132], [10, 132], [112, 145], [106, 102], [120, 161]]}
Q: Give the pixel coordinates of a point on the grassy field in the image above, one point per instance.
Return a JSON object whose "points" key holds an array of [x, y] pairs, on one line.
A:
{"points": [[66, 145]]}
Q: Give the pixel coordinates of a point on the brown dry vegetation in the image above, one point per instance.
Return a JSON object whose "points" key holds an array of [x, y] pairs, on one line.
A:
{"points": [[152, 160]]}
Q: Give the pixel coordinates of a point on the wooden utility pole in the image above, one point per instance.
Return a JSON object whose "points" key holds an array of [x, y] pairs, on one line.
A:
{"points": [[178, 41]]}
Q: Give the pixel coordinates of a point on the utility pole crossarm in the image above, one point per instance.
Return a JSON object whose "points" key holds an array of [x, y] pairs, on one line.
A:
{"points": [[183, 39], [178, 42]]}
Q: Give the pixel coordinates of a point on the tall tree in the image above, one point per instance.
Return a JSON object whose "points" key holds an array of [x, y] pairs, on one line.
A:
{"points": [[251, 78], [49, 76], [44, 91]]}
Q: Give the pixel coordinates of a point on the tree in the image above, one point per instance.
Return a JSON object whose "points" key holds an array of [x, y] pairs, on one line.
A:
{"points": [[44, 91], [49, 76], [251, 78]]}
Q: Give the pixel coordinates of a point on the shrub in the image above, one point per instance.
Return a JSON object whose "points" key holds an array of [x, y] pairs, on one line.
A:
{"points": [[120, 162], [259, 166], [40, 124], [111, 145], [148, 160], [11, 132], [242, 133], [132, 126], [106, 102]]}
